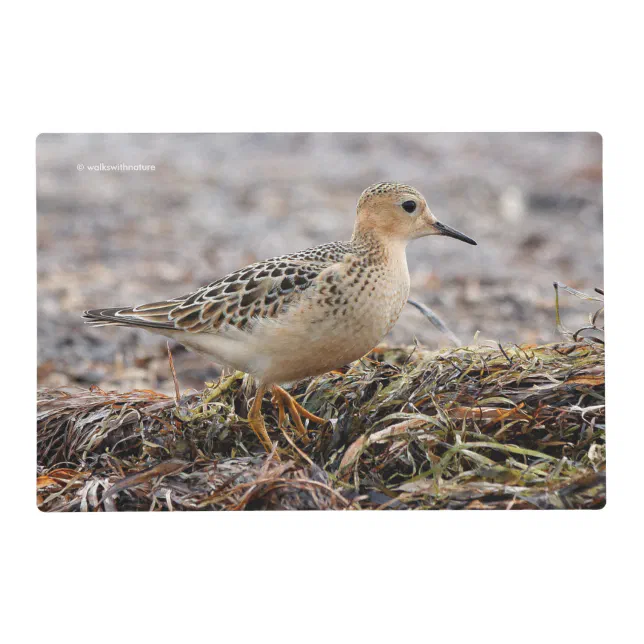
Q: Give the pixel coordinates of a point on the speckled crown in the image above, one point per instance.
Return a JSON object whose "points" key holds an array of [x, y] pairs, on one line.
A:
{"points": [[384, 188]]}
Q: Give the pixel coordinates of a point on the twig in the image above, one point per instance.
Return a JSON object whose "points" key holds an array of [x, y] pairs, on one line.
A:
{"points": [[505, 354], [174, 375], [436, 321]]}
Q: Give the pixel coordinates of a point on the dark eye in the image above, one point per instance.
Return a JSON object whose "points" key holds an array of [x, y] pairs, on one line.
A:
{"points": [[409, 206]]}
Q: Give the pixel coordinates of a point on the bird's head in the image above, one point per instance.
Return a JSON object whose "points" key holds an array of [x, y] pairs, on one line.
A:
{"points": [[394, 211]]}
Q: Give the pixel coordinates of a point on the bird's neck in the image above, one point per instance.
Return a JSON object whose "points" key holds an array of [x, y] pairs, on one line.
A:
{"points": [[378, 250], [368, 242]]}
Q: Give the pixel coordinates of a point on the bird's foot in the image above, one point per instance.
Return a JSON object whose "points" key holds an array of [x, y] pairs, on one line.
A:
{"points": [[256, 422], [283, 399]]}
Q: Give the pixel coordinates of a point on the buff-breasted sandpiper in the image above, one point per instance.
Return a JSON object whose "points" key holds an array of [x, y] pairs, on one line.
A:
{"points": [[300, 315]]}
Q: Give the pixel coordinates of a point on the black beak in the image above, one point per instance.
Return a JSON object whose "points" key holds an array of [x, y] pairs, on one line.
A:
{"points": [[450, 232]]}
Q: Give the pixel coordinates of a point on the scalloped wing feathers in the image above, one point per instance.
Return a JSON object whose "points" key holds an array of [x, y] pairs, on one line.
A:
{"points": [[260, 291]]}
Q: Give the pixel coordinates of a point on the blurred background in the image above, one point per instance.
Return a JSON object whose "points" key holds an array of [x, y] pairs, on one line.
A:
{"points": [[215, 203]]}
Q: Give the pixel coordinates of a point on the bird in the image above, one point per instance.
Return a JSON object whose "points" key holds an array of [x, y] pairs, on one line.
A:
{"points": [[304, 314]]}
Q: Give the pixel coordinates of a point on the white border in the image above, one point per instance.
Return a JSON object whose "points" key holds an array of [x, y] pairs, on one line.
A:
{"points": [[332, 67]]}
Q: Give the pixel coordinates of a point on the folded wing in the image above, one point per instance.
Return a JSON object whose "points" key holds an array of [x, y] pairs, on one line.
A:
{"points": [[259, 291]]}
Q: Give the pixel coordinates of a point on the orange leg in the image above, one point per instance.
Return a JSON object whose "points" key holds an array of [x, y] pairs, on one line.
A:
{"points": [[256, 420], [278, 401], [282, 398]]}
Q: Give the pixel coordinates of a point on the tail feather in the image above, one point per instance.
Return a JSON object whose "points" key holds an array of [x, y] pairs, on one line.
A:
{"points": [[154, 319]]}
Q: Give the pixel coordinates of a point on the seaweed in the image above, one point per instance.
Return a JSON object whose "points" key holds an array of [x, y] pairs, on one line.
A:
{"points": [[471, 427]]}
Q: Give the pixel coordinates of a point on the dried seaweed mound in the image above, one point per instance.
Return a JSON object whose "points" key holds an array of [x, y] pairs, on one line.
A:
{"points": [[471, 427]]}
